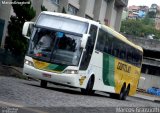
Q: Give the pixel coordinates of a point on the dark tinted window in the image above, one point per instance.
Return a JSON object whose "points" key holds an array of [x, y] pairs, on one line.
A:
{"points": [[129, 55], [100, 42], [108, 43], [122, 54], [89, 48], [104, 42], [116, 48]]}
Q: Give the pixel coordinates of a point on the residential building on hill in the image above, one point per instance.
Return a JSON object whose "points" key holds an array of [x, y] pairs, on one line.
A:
{"points": [[157, 19], [136, 12]]}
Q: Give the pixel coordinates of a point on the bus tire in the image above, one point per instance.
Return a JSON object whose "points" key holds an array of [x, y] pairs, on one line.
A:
{"points": [[88, 90], [43, 84], [126, 92], [122, 95]]}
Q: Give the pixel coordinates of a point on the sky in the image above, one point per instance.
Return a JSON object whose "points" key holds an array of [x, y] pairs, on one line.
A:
{"points": [[143, 2]]}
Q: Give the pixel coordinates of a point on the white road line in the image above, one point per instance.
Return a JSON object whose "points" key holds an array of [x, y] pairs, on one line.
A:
{"points": [[21, 107], [10, 104]]}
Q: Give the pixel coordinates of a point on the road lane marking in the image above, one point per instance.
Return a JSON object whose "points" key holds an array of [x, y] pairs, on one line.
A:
{"points": [[21, 107], [10, 104]]}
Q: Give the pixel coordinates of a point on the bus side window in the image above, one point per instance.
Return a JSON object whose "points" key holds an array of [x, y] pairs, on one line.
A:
{"points": [[115, 51], [122, 54], [108, 43], [138, 58], [106, 47], [129, 55], [100, 41], [135, 57], [89, 48]]}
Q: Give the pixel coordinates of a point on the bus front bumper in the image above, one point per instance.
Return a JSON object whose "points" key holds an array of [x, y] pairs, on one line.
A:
{"points": [[60, 78]]}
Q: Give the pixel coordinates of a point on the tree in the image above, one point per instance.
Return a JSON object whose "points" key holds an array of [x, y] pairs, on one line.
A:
{"points": [[152, 14], [64, 10], [139, 28], [148, 21], [15, 42], [43, 8]]}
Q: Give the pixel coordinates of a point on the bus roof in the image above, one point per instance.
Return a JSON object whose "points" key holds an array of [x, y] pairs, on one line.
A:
{"points": [[71, 17], [121, 37]]}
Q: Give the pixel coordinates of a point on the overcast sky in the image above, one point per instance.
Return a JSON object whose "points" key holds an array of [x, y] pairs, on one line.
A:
{"points": [[143, 2]]}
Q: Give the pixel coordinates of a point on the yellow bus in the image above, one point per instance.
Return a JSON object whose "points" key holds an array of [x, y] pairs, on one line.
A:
{"points": [[81, 53]]}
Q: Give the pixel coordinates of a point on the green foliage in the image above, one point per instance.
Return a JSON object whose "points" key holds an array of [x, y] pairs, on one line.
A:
{"points": [[152, 14], [139, 28], [15, 42], [148, 21], [43, 8]]}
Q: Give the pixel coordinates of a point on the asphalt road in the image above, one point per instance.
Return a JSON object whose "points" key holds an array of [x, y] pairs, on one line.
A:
{"points": [[30, 97]]}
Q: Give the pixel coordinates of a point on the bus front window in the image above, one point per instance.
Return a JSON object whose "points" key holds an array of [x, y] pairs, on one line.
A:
{"points": [[55, 47], [66, 49]]}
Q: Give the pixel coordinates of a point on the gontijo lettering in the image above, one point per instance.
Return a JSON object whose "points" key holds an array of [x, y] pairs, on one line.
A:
{"points": [[124, 67]]}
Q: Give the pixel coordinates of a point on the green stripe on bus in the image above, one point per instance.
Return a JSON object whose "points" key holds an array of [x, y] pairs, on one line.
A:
{"points": [[55, 67], [108, 70]]}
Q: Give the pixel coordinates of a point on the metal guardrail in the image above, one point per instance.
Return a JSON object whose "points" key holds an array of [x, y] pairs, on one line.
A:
{"points": [[149, 44], [151, 62]]}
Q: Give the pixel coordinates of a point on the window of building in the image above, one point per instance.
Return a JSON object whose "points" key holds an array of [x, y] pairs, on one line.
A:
{"points": [[72, 10], [55, 1]]}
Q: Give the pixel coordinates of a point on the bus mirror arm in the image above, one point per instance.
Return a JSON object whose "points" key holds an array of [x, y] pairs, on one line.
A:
{"points": [[84, 50], [27, 29], [84, 40], [142, 78]]}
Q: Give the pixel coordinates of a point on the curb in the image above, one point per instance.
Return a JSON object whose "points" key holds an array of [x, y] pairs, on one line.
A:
{"points": [[12, 68], [142, 98], [157, 101], [10, 71]]}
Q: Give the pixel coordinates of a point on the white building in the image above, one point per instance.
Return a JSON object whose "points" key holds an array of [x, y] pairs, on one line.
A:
{"points": [[4, 18]]}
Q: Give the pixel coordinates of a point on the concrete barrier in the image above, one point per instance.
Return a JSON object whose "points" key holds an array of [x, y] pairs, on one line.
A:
{"points": [[150, 81]]}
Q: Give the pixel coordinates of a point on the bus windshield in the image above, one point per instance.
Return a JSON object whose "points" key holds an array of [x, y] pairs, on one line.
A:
{"points": [[55, 46]]}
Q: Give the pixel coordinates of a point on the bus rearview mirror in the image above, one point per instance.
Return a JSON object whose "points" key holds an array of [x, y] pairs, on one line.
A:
{"points": [[84, 40], [27, 29]]}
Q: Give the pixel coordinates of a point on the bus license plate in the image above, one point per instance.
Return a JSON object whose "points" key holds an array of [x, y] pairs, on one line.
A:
{"points": [[46, 75]]}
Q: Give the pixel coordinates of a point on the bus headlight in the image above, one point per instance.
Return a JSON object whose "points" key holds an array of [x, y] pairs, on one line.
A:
{"points": [[28, 62], [71, 71]]}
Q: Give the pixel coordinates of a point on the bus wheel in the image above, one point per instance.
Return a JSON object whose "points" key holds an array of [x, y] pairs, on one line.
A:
{"points": [[88, 90], [126, 92], [43, 84], [122, 95]]}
